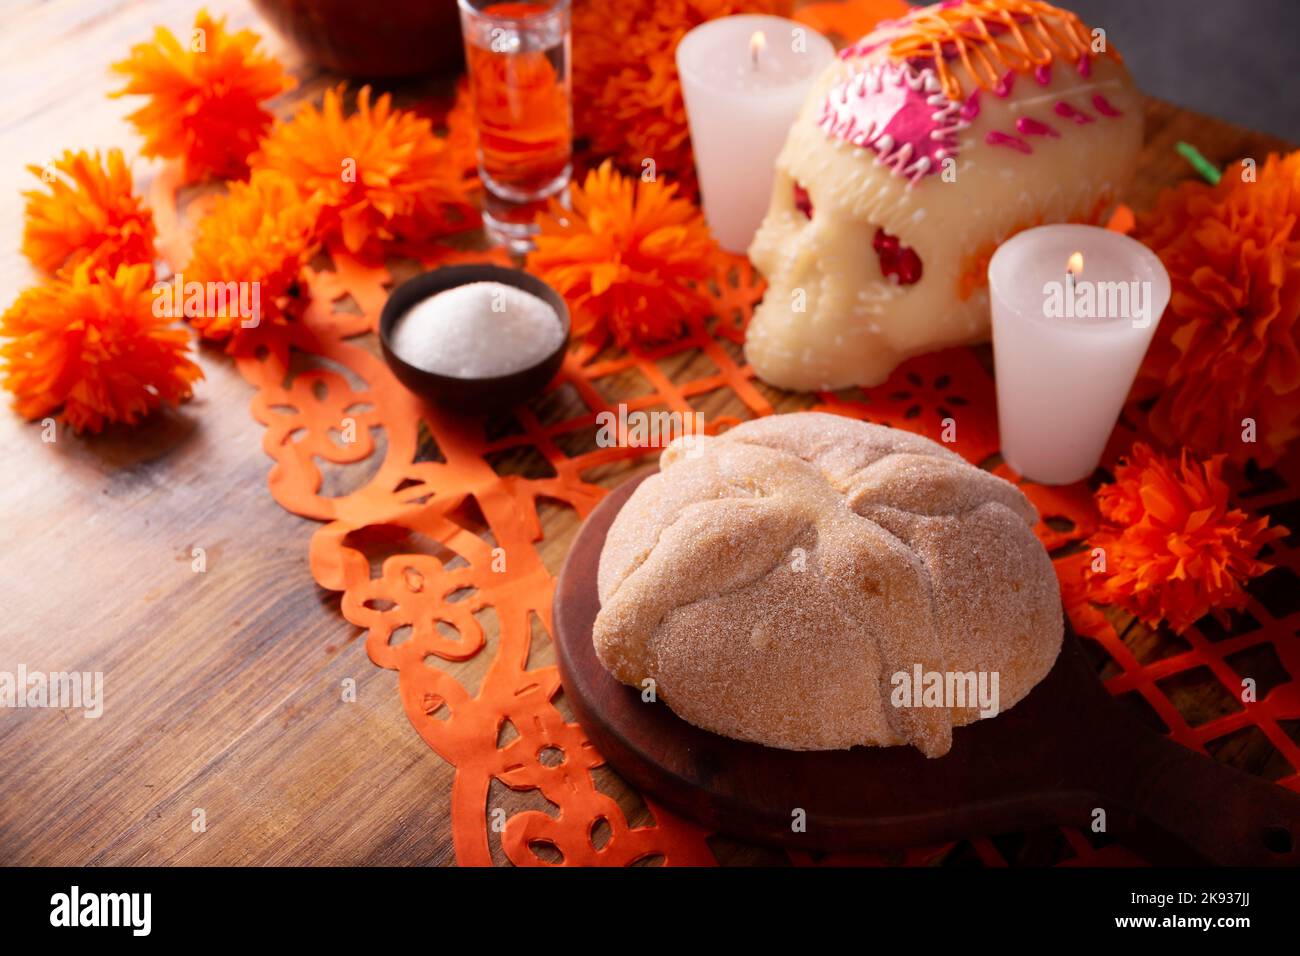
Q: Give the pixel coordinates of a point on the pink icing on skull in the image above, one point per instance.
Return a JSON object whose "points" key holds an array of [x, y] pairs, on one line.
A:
{"points": [[900, 113], [913, 157]]}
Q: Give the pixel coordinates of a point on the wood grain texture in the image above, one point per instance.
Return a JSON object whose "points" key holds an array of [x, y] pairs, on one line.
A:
{"points": [[223, 688]]}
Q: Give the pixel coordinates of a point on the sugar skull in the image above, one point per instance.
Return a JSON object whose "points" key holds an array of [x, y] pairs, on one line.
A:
{"points": [[924, 146]]}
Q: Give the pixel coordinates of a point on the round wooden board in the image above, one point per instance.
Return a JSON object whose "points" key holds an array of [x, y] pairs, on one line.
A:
{"points": [[846, 799], [1054, 758]]}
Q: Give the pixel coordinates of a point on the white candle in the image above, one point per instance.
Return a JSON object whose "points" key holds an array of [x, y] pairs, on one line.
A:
{"points": [[1066, 345], [744, 79]]}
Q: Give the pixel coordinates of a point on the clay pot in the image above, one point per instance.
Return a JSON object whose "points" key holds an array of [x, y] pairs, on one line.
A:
{"points": [[392, 38]]}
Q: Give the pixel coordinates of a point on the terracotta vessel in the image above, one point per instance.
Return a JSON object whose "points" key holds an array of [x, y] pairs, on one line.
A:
{"points": [[396, 38]]}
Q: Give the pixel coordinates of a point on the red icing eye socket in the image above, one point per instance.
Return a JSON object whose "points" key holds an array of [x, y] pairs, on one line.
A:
{"points": [[802, 202], [899, 262]]}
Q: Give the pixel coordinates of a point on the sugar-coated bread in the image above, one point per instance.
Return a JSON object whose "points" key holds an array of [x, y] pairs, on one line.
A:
{"points": [[775, 580]]}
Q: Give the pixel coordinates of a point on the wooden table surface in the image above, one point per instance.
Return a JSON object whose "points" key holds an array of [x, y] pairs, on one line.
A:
{"points": [[222, 688]]}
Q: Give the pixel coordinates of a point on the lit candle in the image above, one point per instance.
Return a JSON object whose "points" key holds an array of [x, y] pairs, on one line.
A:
{"points": [[1074, 309], [744, 79]]}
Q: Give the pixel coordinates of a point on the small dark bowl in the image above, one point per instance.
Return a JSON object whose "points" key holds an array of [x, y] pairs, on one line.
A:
{"points": [[471, 394]]}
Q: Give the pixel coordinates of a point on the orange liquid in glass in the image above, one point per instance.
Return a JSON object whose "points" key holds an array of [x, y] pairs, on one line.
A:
{"points": [[520, 92]]}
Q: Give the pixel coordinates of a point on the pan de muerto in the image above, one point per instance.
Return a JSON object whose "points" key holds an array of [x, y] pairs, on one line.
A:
{"points": [[781, 582]]}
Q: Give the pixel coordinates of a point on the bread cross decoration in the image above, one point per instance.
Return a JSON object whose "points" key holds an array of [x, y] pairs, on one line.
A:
{"points": [[774, 582]]}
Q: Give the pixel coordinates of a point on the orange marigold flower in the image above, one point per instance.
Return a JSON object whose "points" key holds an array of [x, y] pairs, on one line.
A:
{"points": [[1227, 348], [629, 256], [260, 235], [379, 175], [600, 33], [626, 92], [93, 345], [206, 96], [462, 137], [646, 115], [89, 215], [1175, 550]]}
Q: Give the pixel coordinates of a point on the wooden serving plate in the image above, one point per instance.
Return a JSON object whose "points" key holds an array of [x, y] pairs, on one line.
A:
{"points": [[1063, 753]]}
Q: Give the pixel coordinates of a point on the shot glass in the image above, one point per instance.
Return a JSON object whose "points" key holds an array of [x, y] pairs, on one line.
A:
{"points": [[518, 57]]}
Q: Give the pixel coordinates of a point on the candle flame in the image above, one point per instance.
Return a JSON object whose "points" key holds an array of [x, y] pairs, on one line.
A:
{"points": [[757, 42], [1075, 265]]}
